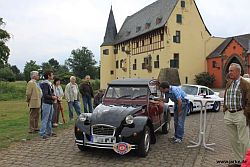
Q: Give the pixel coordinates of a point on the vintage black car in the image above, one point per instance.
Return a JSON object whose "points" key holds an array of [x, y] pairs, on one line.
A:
{"points": [[128, 118]]}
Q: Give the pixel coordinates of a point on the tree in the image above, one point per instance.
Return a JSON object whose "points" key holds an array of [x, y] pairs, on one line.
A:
{"points": [[18, 74], [46, 66], [205, 79], [30, 66], [54, 64], [82, 63], [4, 49]]}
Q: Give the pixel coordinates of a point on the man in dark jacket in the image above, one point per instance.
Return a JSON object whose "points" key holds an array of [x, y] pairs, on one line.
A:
{"points": [[87, 93], [47, 105]]}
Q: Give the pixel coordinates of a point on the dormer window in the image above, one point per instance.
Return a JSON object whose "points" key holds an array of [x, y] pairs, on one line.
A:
{"points": [[128, 33], [147, 25], [158, 20], [138, 28]]}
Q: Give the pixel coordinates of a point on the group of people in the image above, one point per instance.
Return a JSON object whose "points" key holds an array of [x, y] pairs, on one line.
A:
{"points": [[236, 113], [236, 106], [46, 98]]}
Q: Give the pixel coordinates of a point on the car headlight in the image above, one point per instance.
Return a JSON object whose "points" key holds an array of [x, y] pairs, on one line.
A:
{"points": [[82, 117], [129, 119]]}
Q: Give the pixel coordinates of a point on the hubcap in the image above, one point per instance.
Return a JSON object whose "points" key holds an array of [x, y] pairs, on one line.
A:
{"points": [[147, 141]]}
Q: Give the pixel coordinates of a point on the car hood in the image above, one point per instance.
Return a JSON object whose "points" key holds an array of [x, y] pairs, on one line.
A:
{"points": [[112, 114]]}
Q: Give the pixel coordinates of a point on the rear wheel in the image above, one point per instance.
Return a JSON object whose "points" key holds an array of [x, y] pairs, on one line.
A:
{"points": [[144, 144], [216, 106], [190, 109]]}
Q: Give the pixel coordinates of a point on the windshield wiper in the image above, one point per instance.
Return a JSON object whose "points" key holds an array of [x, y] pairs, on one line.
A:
{"points": [[138, 96]]}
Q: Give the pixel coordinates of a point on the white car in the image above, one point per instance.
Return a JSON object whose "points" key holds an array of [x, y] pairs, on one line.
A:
{"points": [[199, 92]]}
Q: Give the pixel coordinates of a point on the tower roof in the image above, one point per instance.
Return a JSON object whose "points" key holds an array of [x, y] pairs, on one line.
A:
{"points": [[111, 30]]}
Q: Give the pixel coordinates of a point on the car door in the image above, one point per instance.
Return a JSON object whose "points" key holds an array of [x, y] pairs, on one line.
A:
{"points": [[153, 110]]}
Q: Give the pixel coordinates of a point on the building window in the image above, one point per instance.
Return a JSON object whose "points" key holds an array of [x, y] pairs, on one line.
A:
{"points": [[162, 37], [183, 4], [111, 72], [105, 52], [115, 51], [117, 64], [150, 40], [177, 37], [174, 63], [123, 48], [137, 44], [157, 62], [147, 64], [215, 64], [134, 65], [179, 18], [121, 62]]}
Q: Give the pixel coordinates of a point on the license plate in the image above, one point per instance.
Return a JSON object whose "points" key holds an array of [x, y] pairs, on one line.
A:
{"points": [[102, 139]]}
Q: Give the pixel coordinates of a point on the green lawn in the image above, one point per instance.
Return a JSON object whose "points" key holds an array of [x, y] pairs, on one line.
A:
{"points": [[14, 118]]}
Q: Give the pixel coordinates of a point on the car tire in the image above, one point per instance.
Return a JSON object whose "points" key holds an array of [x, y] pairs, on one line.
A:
{"points": [[165, 128], [216, 106], [82, 148], [190, 109], [144, 145]]}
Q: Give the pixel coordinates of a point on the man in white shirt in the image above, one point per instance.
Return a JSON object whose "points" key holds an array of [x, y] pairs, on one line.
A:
{"points": [[72, 96]]}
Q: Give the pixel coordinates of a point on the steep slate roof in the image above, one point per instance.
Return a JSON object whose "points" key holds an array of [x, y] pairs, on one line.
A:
{"points": [[159, 9], [243, 40], [111, 30]]}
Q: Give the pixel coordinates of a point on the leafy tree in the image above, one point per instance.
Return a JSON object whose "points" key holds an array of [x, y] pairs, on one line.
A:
{"points": [[54, 64], [6, 74], [18, 74], [46, 66], [15, 69], [82, 62], [205, 79], [4, 49], [30, 66]]}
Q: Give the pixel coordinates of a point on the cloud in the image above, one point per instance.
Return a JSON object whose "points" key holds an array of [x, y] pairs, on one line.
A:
{"points": [[48, 29]]}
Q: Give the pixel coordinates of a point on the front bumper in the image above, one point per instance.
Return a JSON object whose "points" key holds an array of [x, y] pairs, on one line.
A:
{"points": [[87, 143]]}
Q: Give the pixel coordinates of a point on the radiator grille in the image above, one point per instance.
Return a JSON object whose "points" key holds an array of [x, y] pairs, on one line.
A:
{"points": [[103, 130]]}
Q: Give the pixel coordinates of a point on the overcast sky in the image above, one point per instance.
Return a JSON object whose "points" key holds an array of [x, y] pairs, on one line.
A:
{"points": [[45, 29]]}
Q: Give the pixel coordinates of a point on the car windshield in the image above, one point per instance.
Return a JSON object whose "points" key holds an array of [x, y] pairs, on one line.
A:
{"points": [[190, 90], [120, 92]]}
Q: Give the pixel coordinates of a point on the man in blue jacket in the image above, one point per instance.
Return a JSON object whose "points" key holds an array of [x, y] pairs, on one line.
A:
{"points": [[177, 95]]}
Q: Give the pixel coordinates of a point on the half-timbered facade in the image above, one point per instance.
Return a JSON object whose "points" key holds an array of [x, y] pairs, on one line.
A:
{"points": [[165, 34]]}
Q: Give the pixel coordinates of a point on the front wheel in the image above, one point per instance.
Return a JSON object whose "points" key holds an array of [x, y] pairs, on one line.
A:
{"points": [[144, 145], [82, 148]]}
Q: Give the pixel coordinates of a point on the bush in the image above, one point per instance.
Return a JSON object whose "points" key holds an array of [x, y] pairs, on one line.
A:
{"points": [[204, 79], [6, 74], [96, 84], [12, 90]]}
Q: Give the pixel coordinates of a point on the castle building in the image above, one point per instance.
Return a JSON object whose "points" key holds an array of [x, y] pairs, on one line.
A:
{"points": [[164, 34]]}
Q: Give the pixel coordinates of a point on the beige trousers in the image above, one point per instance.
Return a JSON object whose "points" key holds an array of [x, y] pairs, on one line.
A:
{"points": [[34, 118], [238, 133]]}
